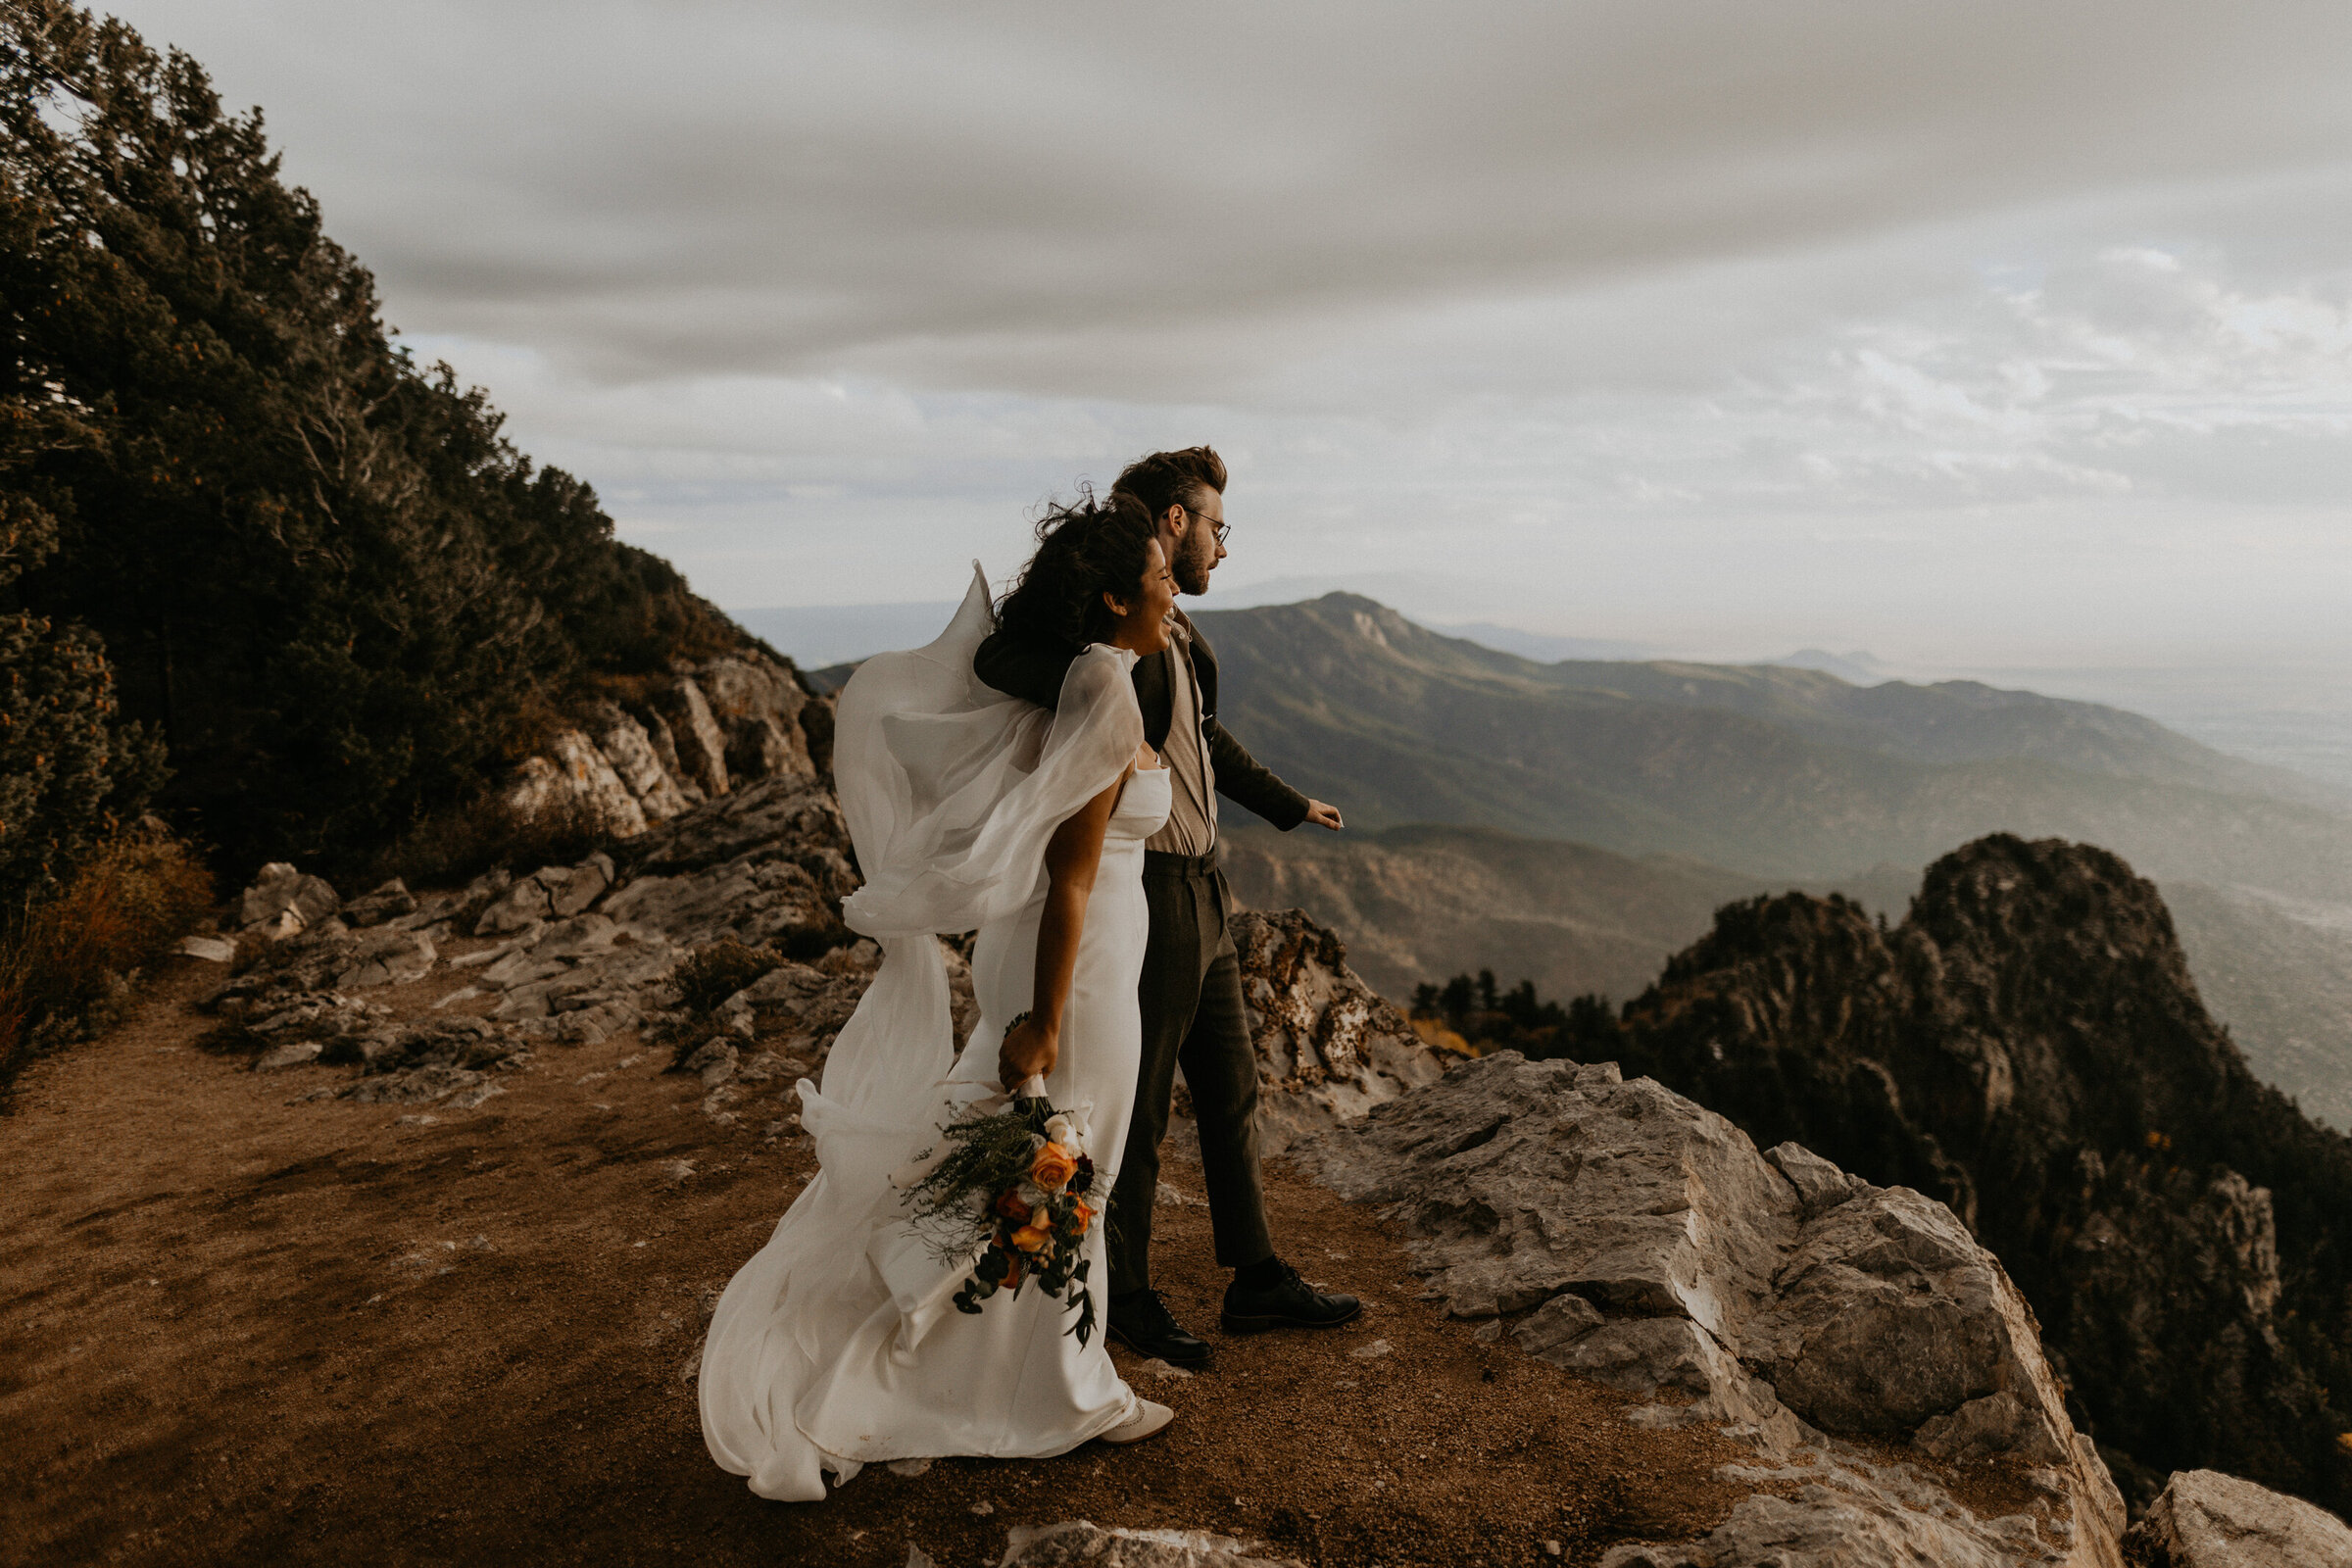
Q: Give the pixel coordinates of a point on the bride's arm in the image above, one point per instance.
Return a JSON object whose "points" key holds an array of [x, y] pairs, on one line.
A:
{"points": [[1072, 855]]}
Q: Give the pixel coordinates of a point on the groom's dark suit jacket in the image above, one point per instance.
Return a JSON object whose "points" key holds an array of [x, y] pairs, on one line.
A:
{"points": [[1034, 670]]}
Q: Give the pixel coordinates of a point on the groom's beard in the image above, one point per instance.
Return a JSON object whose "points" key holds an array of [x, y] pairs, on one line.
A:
{"points": [[1191, 571]]}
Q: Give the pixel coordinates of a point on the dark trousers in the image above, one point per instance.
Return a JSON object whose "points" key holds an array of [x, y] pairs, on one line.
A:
{"points": [[1192, 1012]]}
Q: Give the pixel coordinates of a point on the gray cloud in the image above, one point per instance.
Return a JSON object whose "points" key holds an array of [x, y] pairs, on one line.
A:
{"points": [[1042, 196], [1986, 332]]}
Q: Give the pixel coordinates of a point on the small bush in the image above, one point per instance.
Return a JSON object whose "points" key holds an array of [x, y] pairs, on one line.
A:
{"points": [[459, 844], [129, 901], [719, 970], [809, 943]]}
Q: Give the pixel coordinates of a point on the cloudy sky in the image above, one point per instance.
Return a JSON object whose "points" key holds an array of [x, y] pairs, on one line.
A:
{"points": [[1971, 334]]}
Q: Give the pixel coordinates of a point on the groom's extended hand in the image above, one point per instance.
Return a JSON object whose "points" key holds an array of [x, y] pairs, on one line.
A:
{"points": [[1327, 817]]}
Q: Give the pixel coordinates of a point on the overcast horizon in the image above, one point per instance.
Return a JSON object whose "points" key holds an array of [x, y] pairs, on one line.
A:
{"points": [[2007, 336]]}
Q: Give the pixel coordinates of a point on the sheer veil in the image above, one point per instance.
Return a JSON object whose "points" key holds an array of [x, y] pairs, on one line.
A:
{"points": [[950, 790]]}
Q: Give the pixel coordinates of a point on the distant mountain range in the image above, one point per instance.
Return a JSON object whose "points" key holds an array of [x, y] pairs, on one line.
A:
{"points": [[1765, 770], [1578, 823]]}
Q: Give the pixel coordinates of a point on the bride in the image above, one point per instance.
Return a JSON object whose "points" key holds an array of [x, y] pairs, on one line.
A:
{"points": [[836, 1345]]}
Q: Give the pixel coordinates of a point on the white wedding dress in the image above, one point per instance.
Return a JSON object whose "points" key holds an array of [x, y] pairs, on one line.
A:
{"points": [[837, 1345]]}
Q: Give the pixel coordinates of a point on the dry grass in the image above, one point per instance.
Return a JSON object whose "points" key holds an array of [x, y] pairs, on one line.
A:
{"points": [[716, 972], [66, 957]]}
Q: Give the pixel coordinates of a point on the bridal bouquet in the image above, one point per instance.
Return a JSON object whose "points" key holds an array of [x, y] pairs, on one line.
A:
{"points": [[1014, 1184]]}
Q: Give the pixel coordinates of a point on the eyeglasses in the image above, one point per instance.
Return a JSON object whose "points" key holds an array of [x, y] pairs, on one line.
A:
{"points": [[1218, 523]]}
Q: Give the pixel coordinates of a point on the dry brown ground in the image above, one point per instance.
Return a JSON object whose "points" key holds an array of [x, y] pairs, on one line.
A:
{"points": [[238, 1331]]}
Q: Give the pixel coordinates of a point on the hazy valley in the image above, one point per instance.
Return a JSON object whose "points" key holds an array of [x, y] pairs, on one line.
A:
{"points": [[1575, 823]]}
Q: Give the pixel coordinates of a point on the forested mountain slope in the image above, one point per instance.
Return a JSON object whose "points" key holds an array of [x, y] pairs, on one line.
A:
{"points": [[319, 571]]}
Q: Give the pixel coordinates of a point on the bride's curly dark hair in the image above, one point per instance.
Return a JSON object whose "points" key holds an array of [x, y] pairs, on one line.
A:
{"points": [[1085, 549]]}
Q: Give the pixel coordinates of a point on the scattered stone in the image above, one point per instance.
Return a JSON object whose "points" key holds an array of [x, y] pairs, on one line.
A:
{"points": [[387, 902], [910, 1467], [2203, 1519], [715, 1060], [1159, 1368], [1372, 1352], [386, 957], [763, 1066], [293, 1054], [1171, 1196], [551, 893], [1081, 1544], [211, 950], [414, 1085]]}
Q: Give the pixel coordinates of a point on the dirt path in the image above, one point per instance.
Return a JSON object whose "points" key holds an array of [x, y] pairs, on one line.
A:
{"points": [[241, 1331]]}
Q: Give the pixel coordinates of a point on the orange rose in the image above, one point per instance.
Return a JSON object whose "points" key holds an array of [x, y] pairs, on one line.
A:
{"points": [[1080, 1214], [1031, 1238], [1052, 1167], [1014, 1207]]}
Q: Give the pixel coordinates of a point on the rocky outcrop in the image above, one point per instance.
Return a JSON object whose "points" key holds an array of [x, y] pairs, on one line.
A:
{"points": [[1626, 1234], [2028, 1047], [702, 732], [587, 951], [1329, 1047], [757, 705], [2203, 1519], [629, 748], [283, 901]]}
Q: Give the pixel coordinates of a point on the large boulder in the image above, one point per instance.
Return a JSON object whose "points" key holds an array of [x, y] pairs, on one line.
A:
{"points": [[1651, 1246], [283, 902], [2204, 1519]]}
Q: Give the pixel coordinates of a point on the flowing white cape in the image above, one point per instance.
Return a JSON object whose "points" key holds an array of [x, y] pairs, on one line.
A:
{"points": [[950, 790]]}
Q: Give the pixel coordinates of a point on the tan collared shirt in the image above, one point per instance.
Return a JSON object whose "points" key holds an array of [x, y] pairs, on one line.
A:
{"points": [[1191, 825]]}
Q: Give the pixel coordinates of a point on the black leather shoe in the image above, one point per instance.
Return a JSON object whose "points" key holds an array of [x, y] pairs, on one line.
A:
{"points": [[1143, 1323], [1290, 1302]]}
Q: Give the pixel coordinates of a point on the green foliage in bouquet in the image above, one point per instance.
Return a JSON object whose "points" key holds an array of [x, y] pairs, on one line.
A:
{"points": [[1014, 1182]]}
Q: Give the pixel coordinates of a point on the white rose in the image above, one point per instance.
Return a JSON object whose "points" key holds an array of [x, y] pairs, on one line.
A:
{"points": [[1062, 1130]]}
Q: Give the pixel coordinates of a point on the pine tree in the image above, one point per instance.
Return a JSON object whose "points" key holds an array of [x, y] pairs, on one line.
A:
{"points": [[323, 574]]}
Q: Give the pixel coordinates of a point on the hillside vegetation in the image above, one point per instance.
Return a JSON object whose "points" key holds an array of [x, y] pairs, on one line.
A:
{"points": [[313, 570]]}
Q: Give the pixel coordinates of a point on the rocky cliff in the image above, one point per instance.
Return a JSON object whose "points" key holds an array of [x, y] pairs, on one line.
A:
{"points": [[680, 741], [2028, 1046]]}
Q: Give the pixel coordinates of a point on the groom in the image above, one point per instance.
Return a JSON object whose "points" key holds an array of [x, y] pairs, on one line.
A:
{"points": [[1192, 985]]}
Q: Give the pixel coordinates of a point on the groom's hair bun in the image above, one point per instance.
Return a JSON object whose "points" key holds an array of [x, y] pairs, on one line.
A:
{"points": [[1085, 549], [1167, 479]]}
